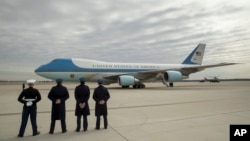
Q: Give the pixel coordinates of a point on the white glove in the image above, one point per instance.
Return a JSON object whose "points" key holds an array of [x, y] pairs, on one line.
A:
{"points": [[29, 103]]}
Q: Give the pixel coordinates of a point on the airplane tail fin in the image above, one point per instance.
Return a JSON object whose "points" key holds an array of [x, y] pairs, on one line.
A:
{"points": [[196, 56]]}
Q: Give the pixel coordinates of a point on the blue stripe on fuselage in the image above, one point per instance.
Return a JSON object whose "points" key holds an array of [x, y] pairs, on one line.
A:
{"points": [[66, 65], [58, 65]]}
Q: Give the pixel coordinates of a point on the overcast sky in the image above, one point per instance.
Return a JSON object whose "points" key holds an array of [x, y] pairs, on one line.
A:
{"points": [[33, 32]]}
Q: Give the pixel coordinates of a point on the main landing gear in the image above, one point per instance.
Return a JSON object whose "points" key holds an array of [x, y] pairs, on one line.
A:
{"points": [[136, 86], [139, 86], [171, 84]]}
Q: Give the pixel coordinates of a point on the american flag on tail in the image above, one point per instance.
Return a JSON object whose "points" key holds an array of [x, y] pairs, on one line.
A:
{"points": [[198, 53]]}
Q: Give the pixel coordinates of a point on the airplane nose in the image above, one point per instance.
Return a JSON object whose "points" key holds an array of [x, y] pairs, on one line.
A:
{"points": [[39, 69], [36, 70]]}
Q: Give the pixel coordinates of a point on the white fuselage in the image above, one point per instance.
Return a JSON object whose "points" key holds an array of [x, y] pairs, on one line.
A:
{"points": [[93, 70]]}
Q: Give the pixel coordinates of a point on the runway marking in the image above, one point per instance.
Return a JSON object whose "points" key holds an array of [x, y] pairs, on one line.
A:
{"points": [[160, 104], [195, 117], [125, 107], [120, 134]]}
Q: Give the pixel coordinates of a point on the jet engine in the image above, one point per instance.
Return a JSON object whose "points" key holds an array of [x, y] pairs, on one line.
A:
{"points": [[127, 80], [172, 76]]}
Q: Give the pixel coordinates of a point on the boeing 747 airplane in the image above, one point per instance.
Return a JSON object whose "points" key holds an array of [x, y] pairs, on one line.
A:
{"points": [[126, 74]]}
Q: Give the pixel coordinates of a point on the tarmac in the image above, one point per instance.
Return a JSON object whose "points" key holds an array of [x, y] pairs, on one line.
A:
{"points": [[190, 111]]}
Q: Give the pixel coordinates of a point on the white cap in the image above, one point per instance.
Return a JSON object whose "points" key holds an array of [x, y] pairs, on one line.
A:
{"points": [[31, 81]]}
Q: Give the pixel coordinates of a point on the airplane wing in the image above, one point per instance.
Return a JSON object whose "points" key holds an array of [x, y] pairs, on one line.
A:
{"points": [[193, 69], [145, 75]]}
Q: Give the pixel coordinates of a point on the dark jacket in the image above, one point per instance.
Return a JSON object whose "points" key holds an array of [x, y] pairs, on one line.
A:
{"points": [[29, 93], [101, 93], [58, 110], [82, 94]]}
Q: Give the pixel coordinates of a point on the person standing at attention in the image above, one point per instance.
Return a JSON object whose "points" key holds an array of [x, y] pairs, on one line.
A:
{"points": [[101, 96], [58, 95], [82, 95], [29, 97]]}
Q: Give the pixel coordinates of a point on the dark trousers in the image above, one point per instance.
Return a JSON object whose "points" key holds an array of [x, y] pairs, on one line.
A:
{"points": [[53, 123], [85, 122], [25, 116], [98, 120]]}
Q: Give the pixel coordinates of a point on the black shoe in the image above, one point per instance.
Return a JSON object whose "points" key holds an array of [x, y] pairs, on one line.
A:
{"points": [[97, 128], [50, 132], [20, 136], [105, 127], [77, 130], [85, 130], [37, 133], [64, 131]]}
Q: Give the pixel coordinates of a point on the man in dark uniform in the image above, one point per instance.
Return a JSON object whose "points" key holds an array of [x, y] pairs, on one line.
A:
{"points": [[58, 95], [29, 97], [82, 94], [101, 96]]}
